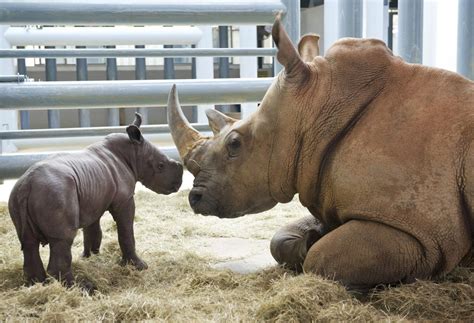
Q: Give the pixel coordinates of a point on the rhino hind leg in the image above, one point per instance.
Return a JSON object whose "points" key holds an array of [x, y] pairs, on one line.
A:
{"points": [[363, 254], [92, 239], [60, 259], [32, 264], [291, 243]]}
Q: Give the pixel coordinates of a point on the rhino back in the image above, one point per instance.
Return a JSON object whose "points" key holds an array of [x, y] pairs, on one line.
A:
{"points": [[69, 191]]}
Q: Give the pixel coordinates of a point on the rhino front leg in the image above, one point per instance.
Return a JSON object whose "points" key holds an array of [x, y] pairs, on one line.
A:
{"points": [[124, 218], [363, 254], [60, 259], [291, 243], [92, 239]]}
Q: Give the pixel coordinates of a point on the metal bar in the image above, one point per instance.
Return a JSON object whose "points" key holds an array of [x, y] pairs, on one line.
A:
{"points": [[102, 94], [13, 78], [140, 74], [350, 18], [410, 30], [85, 132], [24, 115], [113, 114], [14, 165], [169, 66], [51, 75], [101, 36], [223, 43], [137, 52], [224, 61], [120, 12], [82, 75], [465, 64]]}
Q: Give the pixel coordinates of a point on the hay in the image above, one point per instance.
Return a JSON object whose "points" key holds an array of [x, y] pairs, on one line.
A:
{"points": [[181, 285]]}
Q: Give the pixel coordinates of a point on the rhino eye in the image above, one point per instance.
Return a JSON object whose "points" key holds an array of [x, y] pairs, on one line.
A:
{"points": [[233, 147], [161, 166]]}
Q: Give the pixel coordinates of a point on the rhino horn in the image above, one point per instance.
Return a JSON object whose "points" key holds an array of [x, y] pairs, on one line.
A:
{"points": [[218, 120], [184, 136]]}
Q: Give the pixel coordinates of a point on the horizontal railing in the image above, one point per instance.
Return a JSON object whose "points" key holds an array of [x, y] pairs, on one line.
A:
{"points": [[137, 52], [120, 12], [103, 94], [85, 132]]}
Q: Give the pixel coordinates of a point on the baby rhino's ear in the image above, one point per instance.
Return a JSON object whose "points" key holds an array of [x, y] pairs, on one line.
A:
{"points": [[134, 134]]}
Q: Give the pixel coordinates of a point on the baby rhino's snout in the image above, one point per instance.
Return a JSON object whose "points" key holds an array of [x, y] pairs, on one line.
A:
{"points": [[177, 169]]}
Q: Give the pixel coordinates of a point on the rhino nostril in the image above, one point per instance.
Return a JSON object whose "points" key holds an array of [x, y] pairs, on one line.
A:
{"points": [[194, 198]]}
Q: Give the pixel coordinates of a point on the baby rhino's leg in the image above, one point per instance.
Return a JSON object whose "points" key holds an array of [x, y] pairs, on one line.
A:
{"points": [[291, 243], [92, 239], [32, 265]]}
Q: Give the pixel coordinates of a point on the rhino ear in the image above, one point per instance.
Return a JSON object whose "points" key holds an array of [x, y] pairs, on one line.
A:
{"points": [[134, 134], [308, 47], [218, 120], [287, 54]]}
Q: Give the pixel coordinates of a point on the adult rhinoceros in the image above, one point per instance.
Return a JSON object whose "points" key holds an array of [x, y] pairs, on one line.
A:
{"points": [[380, 151]]}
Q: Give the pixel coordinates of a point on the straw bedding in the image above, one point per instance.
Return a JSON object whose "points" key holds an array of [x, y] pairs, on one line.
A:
{"points": [[181, 285]]}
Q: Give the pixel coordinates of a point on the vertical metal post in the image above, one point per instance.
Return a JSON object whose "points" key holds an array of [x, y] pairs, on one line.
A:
{"points": [[465, 64], [113, 115], [204, 68], [223, 43], [51, 75], [194, 115], [140, 74], [169, 66], [350, 18], [291, 22], [24, 114], [248, 65], [82, 75], [410, 30], [224, 61]]}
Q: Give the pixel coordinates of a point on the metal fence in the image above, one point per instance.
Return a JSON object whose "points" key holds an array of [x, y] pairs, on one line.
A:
{"points": [[85, 95]]}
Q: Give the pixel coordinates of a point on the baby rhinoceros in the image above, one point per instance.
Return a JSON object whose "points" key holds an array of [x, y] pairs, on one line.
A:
{"points": [[61, 194]]}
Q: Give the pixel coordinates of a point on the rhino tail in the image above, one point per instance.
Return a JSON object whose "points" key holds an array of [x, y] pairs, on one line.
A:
{"points": [[19, 213]]}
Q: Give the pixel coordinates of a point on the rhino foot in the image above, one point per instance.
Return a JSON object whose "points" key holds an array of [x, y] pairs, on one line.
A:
{"points": [[137, 263]]}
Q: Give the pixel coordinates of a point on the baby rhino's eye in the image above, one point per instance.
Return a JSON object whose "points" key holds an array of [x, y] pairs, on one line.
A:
{"points": [[161, 165]]}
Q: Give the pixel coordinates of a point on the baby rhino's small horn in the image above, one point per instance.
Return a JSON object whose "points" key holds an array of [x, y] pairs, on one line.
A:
{"points": [[138, 120]]}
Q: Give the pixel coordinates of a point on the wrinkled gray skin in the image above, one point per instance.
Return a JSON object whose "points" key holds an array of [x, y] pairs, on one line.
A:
{"points": [[378, 150], [61, 194]]}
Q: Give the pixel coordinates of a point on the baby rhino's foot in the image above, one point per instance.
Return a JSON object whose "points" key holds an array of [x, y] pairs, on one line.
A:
{"points": [[136, 262], [87, 286]]}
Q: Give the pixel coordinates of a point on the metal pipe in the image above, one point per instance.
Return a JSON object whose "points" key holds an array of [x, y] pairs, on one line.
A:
{"points": [[169, 66], [113, 114], [223, 43], [224, 61], [465, 64], [14, 165], [121, 12], [51, 75], [140, 74], [82, 75], [85, 132], [24, 114], [20, 77], [102, 94], [137, 52], [101, 36], [410, 30], [350, 18]]}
